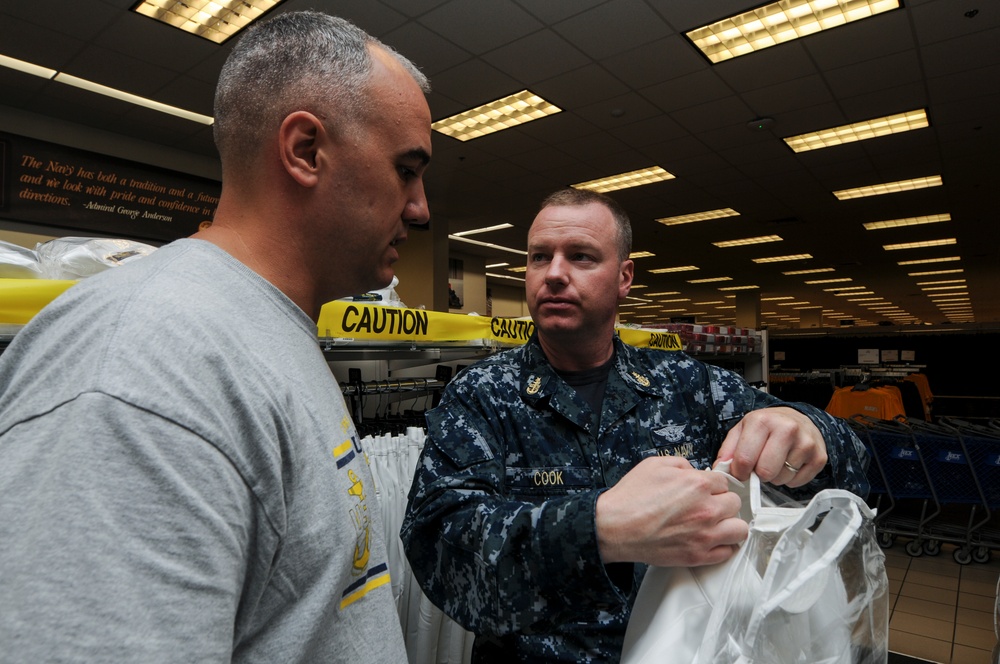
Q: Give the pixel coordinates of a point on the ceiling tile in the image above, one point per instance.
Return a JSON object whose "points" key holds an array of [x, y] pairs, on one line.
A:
{"points": [[480, 27], [437, 53], [475, 82], [614, 27], [537, 57], [655, 62]]}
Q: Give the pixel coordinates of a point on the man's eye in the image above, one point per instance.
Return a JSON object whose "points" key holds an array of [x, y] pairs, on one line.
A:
{"points": [[406, 173]]}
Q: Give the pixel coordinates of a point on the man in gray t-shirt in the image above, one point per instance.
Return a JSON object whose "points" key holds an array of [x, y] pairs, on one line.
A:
{"points": [[179, 477]]}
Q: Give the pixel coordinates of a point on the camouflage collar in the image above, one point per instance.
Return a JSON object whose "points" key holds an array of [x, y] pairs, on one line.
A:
{"points": [[539, 379]]}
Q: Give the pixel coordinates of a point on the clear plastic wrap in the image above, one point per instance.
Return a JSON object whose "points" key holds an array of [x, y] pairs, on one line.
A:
{"points": [[16, 262], [79, 257]]}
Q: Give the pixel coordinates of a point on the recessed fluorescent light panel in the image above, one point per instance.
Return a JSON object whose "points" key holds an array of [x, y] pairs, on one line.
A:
{"points": [[815, 270], [487, 244], [908, 221], [922, 261], [27, 67], [858, 131], [761, 239], [709, 280], [90, 86], [640, 254], [919, 245], [503, 276], [889, 187], [698, 216], [779, 259], [510, 111], [626, 180], [485, 229], [214, 20], [735, 288], [779, 22], [679, 268]]}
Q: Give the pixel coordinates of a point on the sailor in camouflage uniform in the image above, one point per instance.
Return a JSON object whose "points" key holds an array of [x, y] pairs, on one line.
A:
{"points": [[554, 473]]}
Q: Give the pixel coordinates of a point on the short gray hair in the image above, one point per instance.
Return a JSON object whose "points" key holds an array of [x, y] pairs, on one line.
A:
{"points": [[571, 196], [306, 61]]}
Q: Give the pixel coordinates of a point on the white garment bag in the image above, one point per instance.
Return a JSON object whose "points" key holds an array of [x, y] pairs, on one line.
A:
{"points": [[807, 587]]}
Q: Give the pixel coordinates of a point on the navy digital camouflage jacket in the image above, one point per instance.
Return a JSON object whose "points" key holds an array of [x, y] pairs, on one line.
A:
{"points": [[500, 527]]}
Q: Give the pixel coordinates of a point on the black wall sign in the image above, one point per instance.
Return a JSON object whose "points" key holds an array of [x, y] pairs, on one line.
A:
{"points": [[57, 186]]}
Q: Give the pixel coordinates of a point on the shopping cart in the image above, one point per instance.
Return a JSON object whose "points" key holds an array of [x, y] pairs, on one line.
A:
{"points": [[981, 444], [899, 479]]}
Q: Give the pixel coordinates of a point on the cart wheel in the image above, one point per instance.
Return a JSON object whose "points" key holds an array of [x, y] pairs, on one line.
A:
{"points": [[962, 556], [886, 540], [915, 548], [981, 555], [932, 547]]}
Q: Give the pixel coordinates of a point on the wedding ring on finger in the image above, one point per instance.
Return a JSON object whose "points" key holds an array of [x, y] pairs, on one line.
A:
{"points": [[791, 467]]}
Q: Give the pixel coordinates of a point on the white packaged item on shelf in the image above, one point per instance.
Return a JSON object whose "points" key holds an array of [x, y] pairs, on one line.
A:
{"points": [[386, 297], [80, 257], [17, 262]]}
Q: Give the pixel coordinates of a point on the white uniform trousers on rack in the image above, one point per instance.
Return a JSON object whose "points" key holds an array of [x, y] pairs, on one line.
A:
{"points": [[431, 637]]}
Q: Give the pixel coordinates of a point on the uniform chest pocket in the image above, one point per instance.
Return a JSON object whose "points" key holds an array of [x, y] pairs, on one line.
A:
{"points": [[548, 480]]}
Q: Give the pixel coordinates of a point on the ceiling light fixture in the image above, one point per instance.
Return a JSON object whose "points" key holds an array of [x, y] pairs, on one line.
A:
{"points": [[908, 221], [934, 272], [485, 229], [922, 261], [664, 294], [487, 244], [889, 187], [920, 245], [779, 22], [214, 20], [640, 254], [680, 268], [709, 280], [114, 93], [940, 282], [494, 116], [698, 216], [760, 239], [626, 180], [503, 276], [829, 281], [779, 259], [734, 288], [27, 67], [815, 270], [939, 288], [858, 131], [850, 293]]}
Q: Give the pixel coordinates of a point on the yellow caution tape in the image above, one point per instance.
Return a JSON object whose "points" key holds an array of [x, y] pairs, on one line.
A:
{"points": [[21, 299]]}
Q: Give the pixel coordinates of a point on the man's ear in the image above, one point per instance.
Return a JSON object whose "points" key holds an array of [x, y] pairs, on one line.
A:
{"points": [[299, 140], [628, 269]]}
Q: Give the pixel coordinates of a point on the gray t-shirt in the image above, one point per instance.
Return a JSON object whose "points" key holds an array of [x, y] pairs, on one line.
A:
{"points": [[180, 480]]}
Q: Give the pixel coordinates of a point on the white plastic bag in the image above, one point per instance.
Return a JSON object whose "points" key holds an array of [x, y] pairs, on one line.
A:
{"points": [[807, 587]]}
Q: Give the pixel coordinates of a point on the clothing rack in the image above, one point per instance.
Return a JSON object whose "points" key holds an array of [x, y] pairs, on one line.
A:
{"points": [[387, 386]]}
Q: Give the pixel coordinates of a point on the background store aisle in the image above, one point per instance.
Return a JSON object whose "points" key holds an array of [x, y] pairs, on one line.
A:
{"points": [[941, 611]]}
